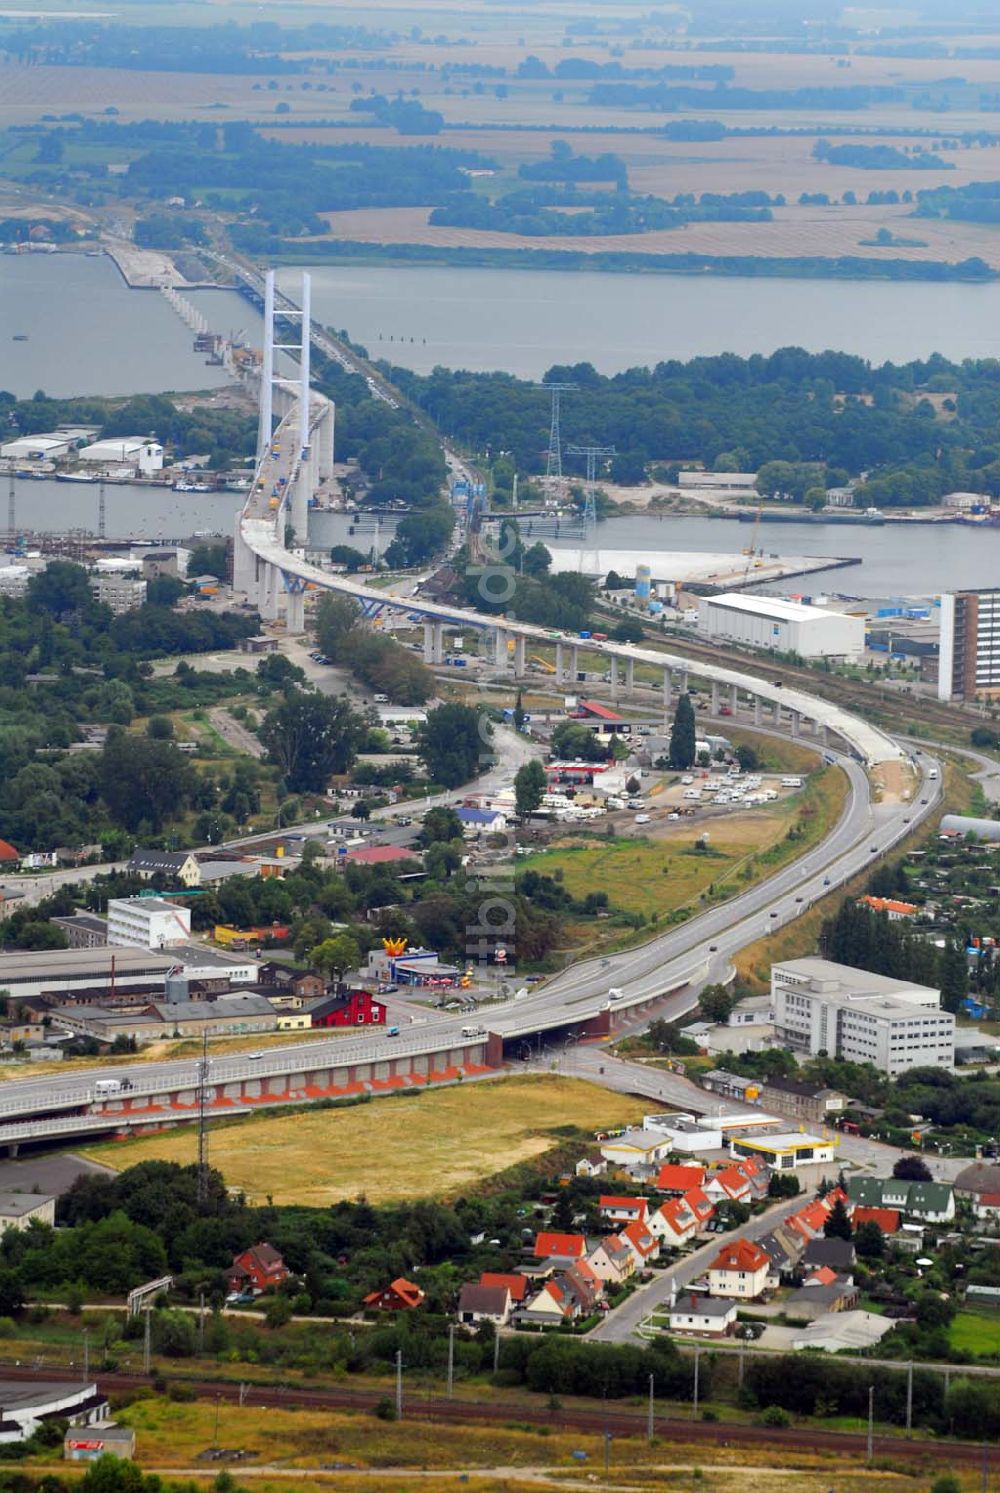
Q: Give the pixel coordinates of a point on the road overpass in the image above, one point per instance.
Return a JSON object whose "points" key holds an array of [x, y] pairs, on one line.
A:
{"points": [[274, 575]]}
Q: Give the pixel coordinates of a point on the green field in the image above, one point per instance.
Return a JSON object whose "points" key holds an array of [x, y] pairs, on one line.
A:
{"points": [[977, 1333]]}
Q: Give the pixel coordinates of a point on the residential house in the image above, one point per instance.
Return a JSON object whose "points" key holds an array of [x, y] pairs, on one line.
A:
{"points": [[174, 865], [740, 1269], [643, 1243], [977, 1181], [586, 1285], [928, 1202], [10, 858], [623, 1209], [801, 1100], [837, 1253], [729, 1185], [481, 822], [304, 984], [783, 1247], [613, 1260], [479, 1303], [591, 1165], [703, 1316], [674, 1223], [701, 1206], [515, 1285], [637, 1150], [556, 1302], [563, 1249], [257, 1269], [345, 1007], [677, 1178], [986, 1206], [809, 1221], [399, 1296], [887, 1219]]}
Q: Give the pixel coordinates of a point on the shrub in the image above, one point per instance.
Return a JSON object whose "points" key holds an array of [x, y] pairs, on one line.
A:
{"points": [[775, 1417]]}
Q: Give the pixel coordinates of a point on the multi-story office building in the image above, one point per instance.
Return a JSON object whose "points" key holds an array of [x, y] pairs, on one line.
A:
{"points": [[969, 661], [864, 1018], [147, 922]]}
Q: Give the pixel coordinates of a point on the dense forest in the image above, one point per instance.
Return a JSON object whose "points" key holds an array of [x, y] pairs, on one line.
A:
{"points": [[919, 429]]}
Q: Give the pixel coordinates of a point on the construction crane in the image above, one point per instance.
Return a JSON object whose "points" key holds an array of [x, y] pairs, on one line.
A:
{"points": [[751, 548]]}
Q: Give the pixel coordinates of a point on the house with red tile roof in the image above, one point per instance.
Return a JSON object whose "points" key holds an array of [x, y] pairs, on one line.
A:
{"points": [[517, 1285], [586, 1285], [895, 910], [984, 1205], [557, 1301], [623, 1209], [560, 1246], [257, 1269], [701, 1205], [613, 1260], [886, 1218], [730, 1184], [400, 1296], [674, 1223], [10, 858], [677, 1178], [739, 1269], [809, 1221], [824, 1276], [643, 1244]]}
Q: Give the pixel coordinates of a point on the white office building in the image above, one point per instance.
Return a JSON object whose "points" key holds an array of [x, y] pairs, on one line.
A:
{"points": [[860, 1017], [122, 593], [147, 922], [783, 626]]}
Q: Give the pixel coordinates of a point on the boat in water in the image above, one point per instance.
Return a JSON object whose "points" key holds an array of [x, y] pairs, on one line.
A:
{"points": [[19, 337], [75, 477]]}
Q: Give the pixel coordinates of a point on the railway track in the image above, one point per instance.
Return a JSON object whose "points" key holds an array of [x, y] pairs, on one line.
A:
{"points": [[618, 1421]]}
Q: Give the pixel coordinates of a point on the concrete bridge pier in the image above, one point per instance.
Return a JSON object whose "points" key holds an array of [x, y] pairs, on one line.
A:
{"points": [[668, 684], [684, 681], [268, 593], [734, 697], [758, 710], [520, 657], [433, 642], [796, 722], [613, 662], [560, 671], [574, 663], [715, 697], [629, 675], [295, 611], [500, 655]]}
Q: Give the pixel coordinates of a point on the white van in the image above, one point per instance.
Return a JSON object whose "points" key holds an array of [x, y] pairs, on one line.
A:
{"points": [[614, 994], [791, 782]]}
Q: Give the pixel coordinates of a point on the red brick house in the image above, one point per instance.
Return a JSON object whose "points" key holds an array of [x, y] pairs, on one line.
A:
{"points": [[401, 1296], [348, 1008], [260, 1268]]}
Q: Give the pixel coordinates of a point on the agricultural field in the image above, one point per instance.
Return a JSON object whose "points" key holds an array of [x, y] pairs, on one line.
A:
{"points": [[319, 1156]]}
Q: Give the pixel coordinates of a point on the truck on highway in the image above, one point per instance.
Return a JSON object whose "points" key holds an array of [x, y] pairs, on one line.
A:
{"points": [[105, 1087]]}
